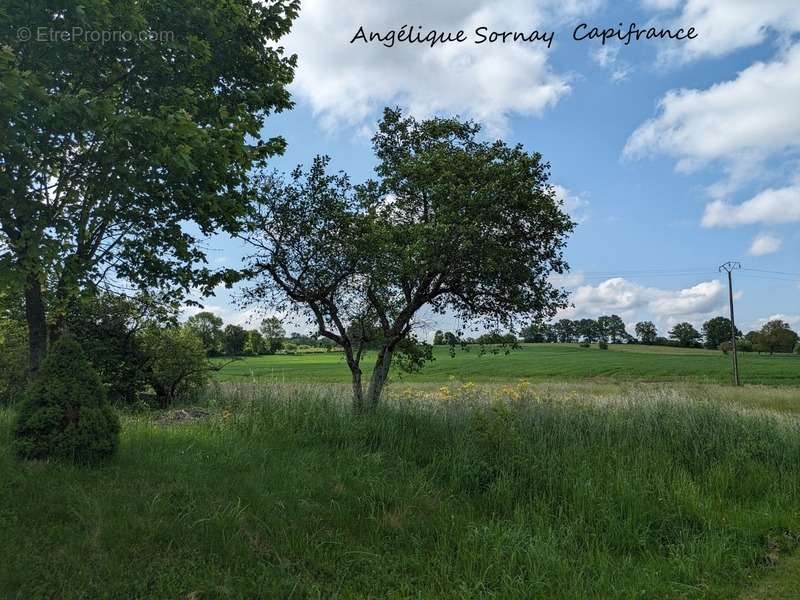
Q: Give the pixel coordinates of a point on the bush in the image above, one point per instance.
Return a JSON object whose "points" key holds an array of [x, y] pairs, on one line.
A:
{"points": [[603, 345], [13, 361], [585, 345], [65, 414], [177, 366]]}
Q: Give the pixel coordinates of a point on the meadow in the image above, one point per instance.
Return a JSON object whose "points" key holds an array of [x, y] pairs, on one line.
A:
{"points": [[517, 490], [536, 362]]}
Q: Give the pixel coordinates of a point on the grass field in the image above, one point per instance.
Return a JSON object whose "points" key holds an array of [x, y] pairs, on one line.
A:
{"points": [[539, 491], [563, 362]]}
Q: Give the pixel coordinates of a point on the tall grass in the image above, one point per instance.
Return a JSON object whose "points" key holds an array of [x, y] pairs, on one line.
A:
{"points": [[468, 493]]}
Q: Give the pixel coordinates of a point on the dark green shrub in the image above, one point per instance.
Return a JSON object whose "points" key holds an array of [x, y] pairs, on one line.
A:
{"points": [[603, 345], [13, 361], [585, 345], [65, 414]]}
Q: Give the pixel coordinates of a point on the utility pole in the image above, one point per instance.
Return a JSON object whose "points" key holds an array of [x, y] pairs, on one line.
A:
{"points": [[729, 267]]}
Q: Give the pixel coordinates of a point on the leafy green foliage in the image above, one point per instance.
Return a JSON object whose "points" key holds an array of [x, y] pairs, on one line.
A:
{"points": [[110, 148], [13, 350], [451, 222], [774, 336], [718, 330], [209, 327], [108, 327], [177, 367], [646, 332], [273, 331], [256, 344], [234, 339], [65, 414], [685, 334]]}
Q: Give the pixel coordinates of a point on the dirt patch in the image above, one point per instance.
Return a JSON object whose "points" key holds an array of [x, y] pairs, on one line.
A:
{"points": [[181, 416]]}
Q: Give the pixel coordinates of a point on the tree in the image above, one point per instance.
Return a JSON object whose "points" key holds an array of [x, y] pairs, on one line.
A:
{"points": [[208, 327], [646, 332], [108, 149], [273, 331], [451, 222], [565, 331], [256, 344], [718, 330], [438, 338], [775, 336], [65, 414], [233, 340], [177, 366], [537, 333], [685, 334], [451, 339], [587, 329], [13, 362], [612, 328], [108, 328]]}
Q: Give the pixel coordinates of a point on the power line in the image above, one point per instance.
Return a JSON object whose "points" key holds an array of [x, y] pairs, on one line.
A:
{"points": [[774, 272]]}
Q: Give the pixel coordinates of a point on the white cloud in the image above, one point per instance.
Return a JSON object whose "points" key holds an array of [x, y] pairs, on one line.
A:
{"points": [[765, 243], [772, 206], [792, 320], [576, 205], [752, 116], [607, 57], [346, 83], [633, 301], [724, 26]]}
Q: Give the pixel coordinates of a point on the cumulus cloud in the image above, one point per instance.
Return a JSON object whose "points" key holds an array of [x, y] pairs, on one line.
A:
{"points": [[726, 26], [346, 83], [754, 115], [765, 243], [772, 206], [634, 301], [576, 205]]}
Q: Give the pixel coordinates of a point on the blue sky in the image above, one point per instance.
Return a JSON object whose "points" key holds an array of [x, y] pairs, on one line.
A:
{"points": [[673, 156]]}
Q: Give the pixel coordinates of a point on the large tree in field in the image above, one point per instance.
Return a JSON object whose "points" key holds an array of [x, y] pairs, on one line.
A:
{"points": [[208, 328], [718, 330], [775, 336], [612, 328], [117, 157], [685, 334], [451, 222], [646, 332]]}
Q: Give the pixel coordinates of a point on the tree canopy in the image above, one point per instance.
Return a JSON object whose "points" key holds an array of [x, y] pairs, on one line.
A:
{"points": [[451, 222], [108, 150]]}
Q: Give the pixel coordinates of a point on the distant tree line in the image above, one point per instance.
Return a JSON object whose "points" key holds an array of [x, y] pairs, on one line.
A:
{"points": [[774, 337]]}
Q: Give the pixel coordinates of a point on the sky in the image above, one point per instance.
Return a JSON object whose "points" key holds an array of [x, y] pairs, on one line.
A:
{"points": [[673, 156]]}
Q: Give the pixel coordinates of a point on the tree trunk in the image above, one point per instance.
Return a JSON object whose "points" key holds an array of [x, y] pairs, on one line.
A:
{"points": [[379, 376], [358, 390], [36, 318]]}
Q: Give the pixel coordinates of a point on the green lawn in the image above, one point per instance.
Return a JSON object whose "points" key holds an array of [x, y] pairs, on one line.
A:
{"points": [[538, 362], [286, 494]]}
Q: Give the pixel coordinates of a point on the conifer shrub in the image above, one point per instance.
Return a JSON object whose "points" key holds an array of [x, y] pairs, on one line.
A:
{"points": [[65, 414]]}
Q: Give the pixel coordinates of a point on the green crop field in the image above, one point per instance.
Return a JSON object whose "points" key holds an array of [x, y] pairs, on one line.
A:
{"points": [[536, 362]]}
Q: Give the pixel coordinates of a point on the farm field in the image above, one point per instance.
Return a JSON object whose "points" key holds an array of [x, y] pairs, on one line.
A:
{"points": [[551, 490], [564, 362]]}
